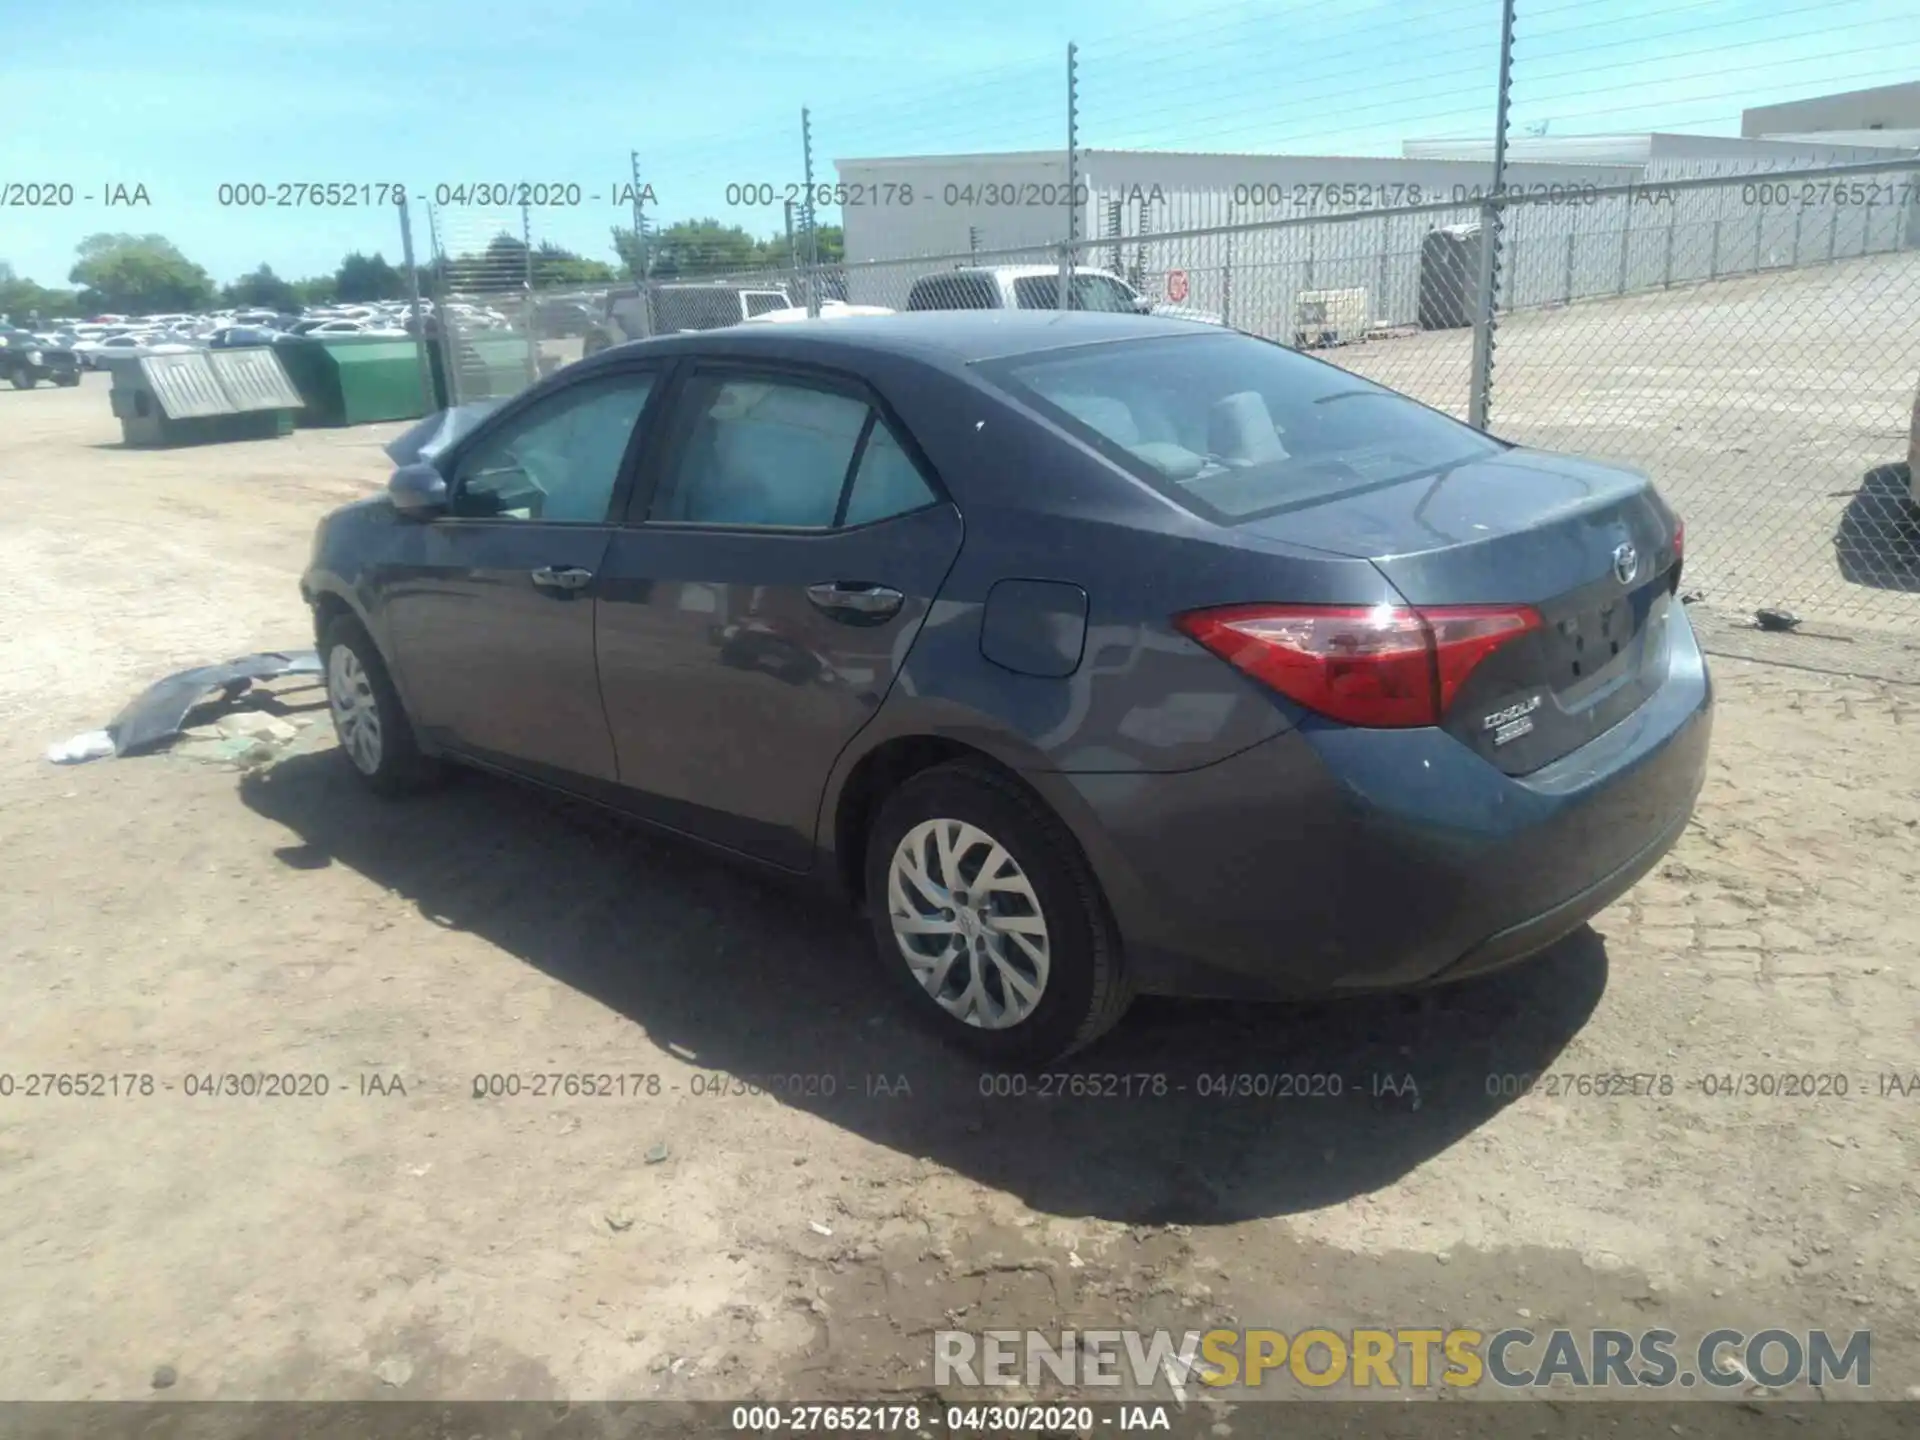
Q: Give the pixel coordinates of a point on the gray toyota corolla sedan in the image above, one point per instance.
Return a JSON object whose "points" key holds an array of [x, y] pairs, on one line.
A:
{"points": [[1091, 654]]}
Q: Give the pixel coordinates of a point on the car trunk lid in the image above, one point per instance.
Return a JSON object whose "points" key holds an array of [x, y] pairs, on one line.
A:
{"points": [[1590, 547]]}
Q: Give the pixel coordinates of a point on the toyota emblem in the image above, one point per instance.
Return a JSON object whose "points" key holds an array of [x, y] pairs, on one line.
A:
{"points": [[1626, 563]]}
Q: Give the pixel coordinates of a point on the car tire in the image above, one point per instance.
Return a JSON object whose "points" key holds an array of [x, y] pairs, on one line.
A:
{"points": [[67, 381], [1050, 893], [24, 379], [376, 737]]}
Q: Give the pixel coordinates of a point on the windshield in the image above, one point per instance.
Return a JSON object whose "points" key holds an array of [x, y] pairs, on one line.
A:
{"points": [[1236, 428]]}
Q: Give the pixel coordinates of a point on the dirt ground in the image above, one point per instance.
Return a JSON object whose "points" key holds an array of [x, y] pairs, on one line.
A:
{"points": [[400, 1238]]}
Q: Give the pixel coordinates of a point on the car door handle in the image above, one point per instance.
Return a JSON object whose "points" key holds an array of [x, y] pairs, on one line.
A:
{"points": [[562, 577], [856, 603]]}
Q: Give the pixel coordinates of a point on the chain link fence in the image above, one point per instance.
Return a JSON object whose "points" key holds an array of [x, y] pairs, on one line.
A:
{"points": [[1760, 362], [1744, 334]]}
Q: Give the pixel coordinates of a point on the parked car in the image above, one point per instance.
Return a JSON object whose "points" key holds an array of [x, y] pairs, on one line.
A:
{"points": [[87, 346], [98, 354], [680, 308], [242, 337], [565, 319], [1037, 287], [26, 360], [1093, 654]]}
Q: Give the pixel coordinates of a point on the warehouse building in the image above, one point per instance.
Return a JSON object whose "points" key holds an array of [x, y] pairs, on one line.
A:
{"points": [[1889, 109], [1343, 235]]}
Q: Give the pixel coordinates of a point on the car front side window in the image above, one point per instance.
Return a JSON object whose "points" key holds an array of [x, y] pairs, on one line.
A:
{"points": [[559, 461]]}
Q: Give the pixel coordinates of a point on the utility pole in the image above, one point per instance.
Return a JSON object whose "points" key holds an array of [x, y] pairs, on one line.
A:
{"points": [[807, 213], [640, 244], [526, 292], [1073, 177], [427, 398], [1492, 211]]}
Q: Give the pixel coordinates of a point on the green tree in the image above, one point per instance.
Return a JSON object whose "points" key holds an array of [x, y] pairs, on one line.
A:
{"points": [[554, 266], [138, 274], [363, 277], [833, 244], [261, 290], [22, 298], [689, 249], [316, 290], [499, 268]]}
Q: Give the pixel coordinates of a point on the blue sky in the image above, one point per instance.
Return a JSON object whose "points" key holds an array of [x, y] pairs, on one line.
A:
{"points": [[181, 96]]}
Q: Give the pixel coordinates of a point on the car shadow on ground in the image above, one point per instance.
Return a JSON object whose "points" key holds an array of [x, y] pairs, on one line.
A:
{"points": [[752, 980], [1877, 541]]}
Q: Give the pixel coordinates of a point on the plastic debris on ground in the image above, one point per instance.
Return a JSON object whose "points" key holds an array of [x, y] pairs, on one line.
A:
{"points": [[78, 749], [243, 737]]}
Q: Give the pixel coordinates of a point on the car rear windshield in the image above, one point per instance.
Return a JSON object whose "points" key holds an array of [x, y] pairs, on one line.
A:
{"points": [[1236, 428], [696, 308], [1089, 292], [954, 292]]}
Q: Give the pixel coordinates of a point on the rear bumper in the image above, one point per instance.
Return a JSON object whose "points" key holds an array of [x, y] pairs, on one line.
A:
{"points": [[1331, 859]]}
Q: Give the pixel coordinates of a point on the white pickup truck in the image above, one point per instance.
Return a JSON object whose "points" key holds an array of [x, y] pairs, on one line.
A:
{"points": [[1037, 287]]}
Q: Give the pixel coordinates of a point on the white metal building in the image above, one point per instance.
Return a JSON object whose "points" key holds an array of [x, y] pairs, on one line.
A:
{"points": [[1567, 245], [1884, 107]]}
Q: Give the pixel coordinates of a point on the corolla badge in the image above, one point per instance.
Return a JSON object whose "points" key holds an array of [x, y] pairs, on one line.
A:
{"points": [[1512, 722], [1626, 563]]}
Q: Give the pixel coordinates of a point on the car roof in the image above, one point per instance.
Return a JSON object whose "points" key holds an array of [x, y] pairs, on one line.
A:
{"points": [[1021, 272], [949, 337]]}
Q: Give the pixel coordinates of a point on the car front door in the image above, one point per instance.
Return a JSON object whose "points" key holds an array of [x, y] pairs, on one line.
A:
{"points": [[754, 616], [491, 612]]}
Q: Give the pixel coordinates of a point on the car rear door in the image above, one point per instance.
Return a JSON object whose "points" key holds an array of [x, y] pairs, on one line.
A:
{"points": [[754, 614], [491, 612]]}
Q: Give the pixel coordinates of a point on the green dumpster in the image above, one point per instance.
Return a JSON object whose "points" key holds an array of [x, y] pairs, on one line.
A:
{"points": [[355, 379]]}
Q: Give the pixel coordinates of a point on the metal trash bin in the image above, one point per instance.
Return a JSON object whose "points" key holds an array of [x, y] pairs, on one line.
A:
{"points": [[202, 397], [1449, 276]]}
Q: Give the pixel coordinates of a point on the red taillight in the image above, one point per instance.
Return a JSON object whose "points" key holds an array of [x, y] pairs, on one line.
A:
{"points": [[1388, 666], [1679, 539]]}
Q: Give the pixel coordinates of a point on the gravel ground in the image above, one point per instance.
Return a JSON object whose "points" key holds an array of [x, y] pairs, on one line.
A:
{"points": [[399, 1238]]}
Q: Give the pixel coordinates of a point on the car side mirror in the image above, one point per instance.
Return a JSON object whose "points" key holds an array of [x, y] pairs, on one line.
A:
{"points": [[418, 489], [1142, 305]]}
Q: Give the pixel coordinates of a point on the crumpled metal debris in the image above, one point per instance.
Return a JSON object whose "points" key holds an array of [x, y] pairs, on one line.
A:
{"points": [[429, 436], [157, 713]]}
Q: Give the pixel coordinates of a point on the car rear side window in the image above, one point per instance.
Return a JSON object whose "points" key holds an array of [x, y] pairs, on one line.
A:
{"points": [[761, 452], [887, 482], [954, 292], [1235, 428]]}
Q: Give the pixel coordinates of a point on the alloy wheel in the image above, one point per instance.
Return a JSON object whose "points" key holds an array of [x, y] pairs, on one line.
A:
{"points": [[356, 710], [968, 923]]}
